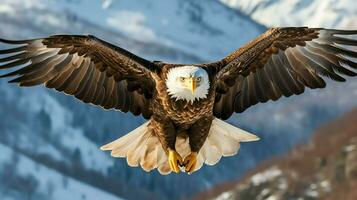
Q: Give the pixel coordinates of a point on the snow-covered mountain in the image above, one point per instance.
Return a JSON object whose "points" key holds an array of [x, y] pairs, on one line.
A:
{"points": [[61, 134], [23, 178], [316, 13], [190, 26]]}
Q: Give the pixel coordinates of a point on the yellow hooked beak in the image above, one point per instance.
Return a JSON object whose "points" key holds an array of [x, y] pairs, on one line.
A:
{"points": [[192, 84]]}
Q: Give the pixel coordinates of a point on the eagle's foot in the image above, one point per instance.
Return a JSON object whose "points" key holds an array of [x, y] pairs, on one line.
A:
{"points": [[190, 162], [174, 160]]}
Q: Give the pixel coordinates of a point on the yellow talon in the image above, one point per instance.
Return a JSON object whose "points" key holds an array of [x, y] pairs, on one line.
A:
{"points": [[174, 160], [190, 162]]}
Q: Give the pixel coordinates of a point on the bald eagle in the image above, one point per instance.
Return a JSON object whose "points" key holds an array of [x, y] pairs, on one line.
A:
{"points": [[184, 103]]}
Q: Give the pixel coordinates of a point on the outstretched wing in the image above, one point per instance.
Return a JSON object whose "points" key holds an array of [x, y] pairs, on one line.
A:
{"points": [[86, 67], [282, 62]]}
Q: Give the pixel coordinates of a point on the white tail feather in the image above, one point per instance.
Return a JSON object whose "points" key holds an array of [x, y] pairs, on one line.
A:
{"points": [[142, 147], [223, 140]]}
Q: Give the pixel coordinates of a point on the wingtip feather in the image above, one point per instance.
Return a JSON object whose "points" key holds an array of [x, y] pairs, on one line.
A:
{"points": [[14, 41]]}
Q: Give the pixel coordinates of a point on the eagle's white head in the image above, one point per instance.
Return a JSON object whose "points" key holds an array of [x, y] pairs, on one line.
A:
{"points": [[188, 83]]}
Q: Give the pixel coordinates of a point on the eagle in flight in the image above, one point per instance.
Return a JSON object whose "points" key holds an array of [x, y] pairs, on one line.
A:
{"points": [[184, 103]]}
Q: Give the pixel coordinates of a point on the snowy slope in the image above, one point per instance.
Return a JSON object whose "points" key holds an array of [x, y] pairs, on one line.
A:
{"points": [[36, 181], [319, 170], [317, 13], [43, 122], [203, 28], [40, 18], [60, 129]]}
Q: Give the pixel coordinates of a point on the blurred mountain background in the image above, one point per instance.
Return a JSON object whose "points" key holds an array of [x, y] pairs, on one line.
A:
{"points": [[310, 171], [49, 142]]}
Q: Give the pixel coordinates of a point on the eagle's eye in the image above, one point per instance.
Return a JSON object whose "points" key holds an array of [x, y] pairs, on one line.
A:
{"points": [[182, 79], [199, 79]]}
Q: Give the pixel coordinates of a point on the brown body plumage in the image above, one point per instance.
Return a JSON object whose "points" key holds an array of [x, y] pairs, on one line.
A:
{"points": [[171, 117], [280, 62]]}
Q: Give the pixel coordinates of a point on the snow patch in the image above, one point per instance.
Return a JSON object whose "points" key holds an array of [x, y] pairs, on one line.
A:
{"points": [[133, 24], [7, 9], [266, 176], [106, 4], [318, 13], [349, 148], [225, 196]]}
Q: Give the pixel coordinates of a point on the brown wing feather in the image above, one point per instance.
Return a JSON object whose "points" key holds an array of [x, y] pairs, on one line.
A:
{"points": [[282, 62], [86, 67]]}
